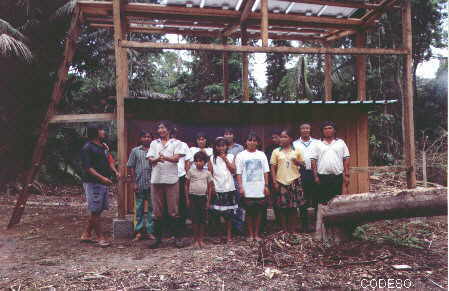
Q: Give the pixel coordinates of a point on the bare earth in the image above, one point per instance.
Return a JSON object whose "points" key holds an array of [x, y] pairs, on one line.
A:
{"points": [[44, 253]]}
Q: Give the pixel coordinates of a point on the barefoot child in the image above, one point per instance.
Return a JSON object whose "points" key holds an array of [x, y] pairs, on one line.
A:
{"points": [[285, 165], [252, 175], [224, 198], [140, 174], [198, 184]]}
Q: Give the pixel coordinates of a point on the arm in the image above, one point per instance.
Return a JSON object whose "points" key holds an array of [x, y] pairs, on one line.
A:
{"points": [[266, 189], [274, 169], [315, 171], [346, 173], [210, 167], [186, 189], [231, 166], [209, 193], [239, 181], [112, 166], [132, 178], [173, 159], [97, 175]]}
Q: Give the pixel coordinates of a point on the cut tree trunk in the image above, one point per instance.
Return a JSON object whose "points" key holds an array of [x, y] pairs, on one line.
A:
{"points": [[337, 220]]}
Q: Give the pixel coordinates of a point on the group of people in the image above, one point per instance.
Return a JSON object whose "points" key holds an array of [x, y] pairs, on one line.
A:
{"points": [[229, 181]]}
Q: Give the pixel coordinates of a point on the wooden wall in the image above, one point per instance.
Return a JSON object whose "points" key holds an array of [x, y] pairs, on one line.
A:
{"points": [[190, 118]]}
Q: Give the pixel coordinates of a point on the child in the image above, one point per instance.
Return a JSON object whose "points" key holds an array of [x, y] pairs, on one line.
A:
{"points": [[198, 183], [222, 167], [201, 142], [140, 173], [252, 175], [285, 165]]}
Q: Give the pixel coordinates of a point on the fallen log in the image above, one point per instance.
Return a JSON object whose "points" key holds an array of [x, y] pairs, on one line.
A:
{"points": [[337, 220]]}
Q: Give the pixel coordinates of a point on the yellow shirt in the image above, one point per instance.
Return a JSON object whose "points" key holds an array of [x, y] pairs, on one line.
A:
{"points": [[287, 170]]}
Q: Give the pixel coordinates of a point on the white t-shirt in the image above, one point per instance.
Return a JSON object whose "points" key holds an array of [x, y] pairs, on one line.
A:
{"points": [[182, 161], [252, 166], [222, 177], [164, 172], [330, 157], [307, 149]]}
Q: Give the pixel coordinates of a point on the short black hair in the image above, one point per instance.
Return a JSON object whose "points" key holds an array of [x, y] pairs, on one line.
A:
{"points": [[201, 134], [275, 132], [328, 123], [144, 132], [305, 123], [253, 136], [200, 156], [229, 130], [289, 131], [168, 125], [92, 131]]}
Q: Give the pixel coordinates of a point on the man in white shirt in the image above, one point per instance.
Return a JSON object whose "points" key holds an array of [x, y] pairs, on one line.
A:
{"points": [[330, 164], [306, 144], [164, 154]]}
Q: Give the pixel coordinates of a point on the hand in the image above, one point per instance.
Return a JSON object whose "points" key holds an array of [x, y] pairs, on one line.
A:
{"points": [[135, 187], [208, 204], [161, 158], [266, 191], [317, 180], [242, 192], [117, 175], [276, 185], [188, 203], [106, 181]]}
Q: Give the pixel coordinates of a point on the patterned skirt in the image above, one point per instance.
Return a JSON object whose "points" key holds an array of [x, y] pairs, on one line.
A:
{"points": [[224, 204], [289, 196]]}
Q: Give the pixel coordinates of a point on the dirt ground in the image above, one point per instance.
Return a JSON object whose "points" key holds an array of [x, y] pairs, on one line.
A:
{"points": [[44, 253]]}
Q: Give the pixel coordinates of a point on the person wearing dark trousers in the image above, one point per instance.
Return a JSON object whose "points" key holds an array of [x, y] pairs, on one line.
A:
{"points": [[306, 144], [330, 164], [164, 154]]}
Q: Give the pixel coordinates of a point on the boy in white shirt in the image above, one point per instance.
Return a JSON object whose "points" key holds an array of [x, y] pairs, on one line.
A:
{"points": [[330, 164]]}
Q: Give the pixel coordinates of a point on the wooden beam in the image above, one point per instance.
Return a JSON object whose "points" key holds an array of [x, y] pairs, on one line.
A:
{"points": [[74, 118], [361, 66], [243, 18], [264, 22], [256, 49], [56, 96], [407, 103], [121, 80], [245, 66], [327, 75], [225, 68], [341, 3]]}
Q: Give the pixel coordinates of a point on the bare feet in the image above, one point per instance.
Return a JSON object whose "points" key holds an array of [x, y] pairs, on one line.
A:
{"points": [[258, 238], [86, 238], [138, 237], [202, 243], [196, 244]]}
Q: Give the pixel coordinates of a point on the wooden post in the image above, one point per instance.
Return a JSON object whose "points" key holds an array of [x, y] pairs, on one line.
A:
{"points": [[407, 102], [361, 66], [121, 81], [245, 66], [225, 67], [58, 90], [327, 75], [264, 22]]}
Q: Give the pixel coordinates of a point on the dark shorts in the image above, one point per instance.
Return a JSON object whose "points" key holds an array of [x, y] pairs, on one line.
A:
{"points": [[254, 206], [224, 204], [329, 187], [309, 187], [96, 196], [198, 209]]}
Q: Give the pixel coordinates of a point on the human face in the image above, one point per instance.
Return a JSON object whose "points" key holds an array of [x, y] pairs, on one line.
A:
{"points": [[251, 145], [229, 136], [162, 131], [102, 134], [275, 139], [199, 164], [146, 139], [328, 131], [201, 142], [284, 139], [304, 130], [221, 148]]}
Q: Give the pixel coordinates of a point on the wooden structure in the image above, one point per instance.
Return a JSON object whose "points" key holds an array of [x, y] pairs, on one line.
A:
{"points": [[318, 21], [337, 220]]}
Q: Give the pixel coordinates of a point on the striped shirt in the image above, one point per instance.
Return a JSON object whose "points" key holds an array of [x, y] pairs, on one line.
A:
{"points": [[142, 168]]}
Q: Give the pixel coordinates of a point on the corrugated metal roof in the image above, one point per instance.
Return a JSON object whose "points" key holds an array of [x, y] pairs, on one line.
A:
{"points": [[342, 102]]}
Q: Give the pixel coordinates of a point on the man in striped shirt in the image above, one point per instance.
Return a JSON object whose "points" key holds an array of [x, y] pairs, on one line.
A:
{"points": [[140, 173]]}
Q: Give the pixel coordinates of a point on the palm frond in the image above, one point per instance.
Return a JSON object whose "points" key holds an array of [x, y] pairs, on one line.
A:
{"points": [[6, 28], [12, 46], [66, 9]]}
